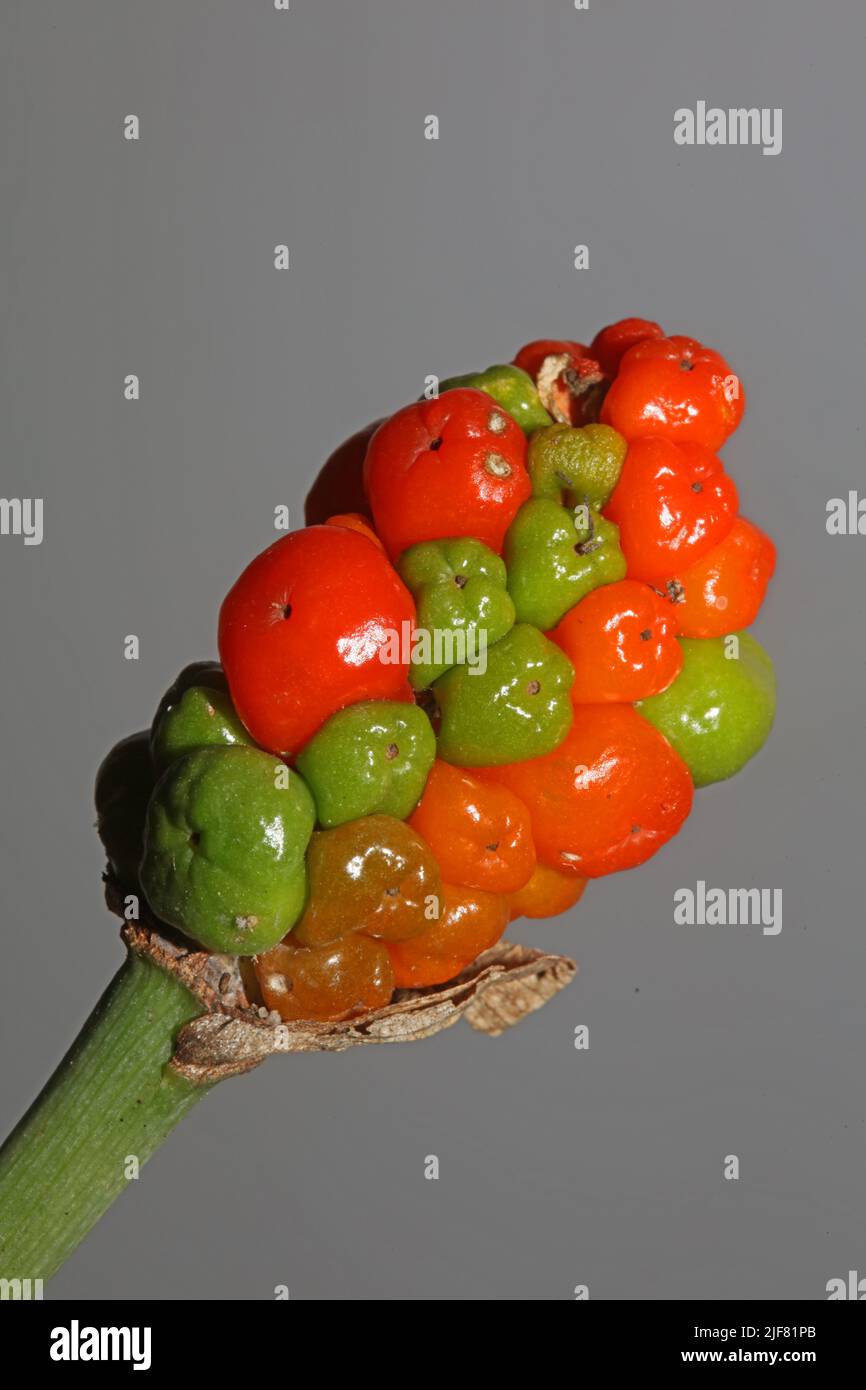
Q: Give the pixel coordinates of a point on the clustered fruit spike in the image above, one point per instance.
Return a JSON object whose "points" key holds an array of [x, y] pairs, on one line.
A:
{"points": [[495, 665]]}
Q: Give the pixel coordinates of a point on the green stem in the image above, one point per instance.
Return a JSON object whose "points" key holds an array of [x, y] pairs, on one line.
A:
{"points": [[111, 1101]]}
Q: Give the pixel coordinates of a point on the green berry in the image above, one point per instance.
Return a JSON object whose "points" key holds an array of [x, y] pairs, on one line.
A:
{"points": [[511, 388], [202, 718], [719, 710], [518, 708], [226, 834], [574, 464], [124, 783], [459, 591], [206, 673], [369, 759], [555, 558]]}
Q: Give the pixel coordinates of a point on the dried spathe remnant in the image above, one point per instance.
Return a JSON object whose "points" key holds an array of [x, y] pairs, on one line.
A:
{"points": [[234, 1033]]}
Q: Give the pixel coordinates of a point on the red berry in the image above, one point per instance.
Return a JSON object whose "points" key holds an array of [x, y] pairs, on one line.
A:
{"points": [[672, 504], [607, 798], [455, 466], [621, 641], [723, 591], [676, 388], [611, 343], [303, 631]]}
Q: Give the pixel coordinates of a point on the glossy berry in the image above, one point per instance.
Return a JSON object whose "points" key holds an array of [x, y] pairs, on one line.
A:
{"points": [[374, 875], [224, 848], [610, 345], [621, 641], [511, 388], [372, 758], [723, 591], [454, 466], [470, 921], [675, 388], [673, 503], [198, 673], [607, 798], [330, 982], [555, 557], [720, 709], [304, 630], [355, 521], [480, 833], [517, 708], [547, 893], [459, 590], [203, 717]]}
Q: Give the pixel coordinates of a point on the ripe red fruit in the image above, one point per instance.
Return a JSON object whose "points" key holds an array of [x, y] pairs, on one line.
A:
{"points": [[676, 388], [303, 630], [607, 798], [610, 344], [455, 466], [672, 504], [622, 642], [723, 591]]}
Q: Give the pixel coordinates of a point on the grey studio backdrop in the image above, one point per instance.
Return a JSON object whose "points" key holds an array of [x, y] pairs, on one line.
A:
{"points": [[409, 256]]}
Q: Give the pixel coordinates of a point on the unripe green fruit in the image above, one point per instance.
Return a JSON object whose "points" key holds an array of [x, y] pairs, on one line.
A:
{"points": [[554, 558], [576, 463], [518, 708], [719, 710], [124, 783], [459, 589], [511, 388], [224, 845], [202, 718], [206, 673], [369, 759]]}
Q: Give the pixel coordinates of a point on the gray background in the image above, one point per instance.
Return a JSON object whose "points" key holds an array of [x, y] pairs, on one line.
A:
{"points": [[558, 1167]]}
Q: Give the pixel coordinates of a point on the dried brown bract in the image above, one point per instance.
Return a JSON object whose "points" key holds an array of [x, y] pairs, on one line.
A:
{"points": [[234, 1033]]}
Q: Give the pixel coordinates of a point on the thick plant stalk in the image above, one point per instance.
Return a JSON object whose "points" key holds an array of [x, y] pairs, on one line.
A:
{"points": [[114, 1099], [108, 1106]]}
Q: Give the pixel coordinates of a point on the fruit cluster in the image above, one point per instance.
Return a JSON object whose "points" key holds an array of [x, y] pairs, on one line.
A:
{"points": [[495, 667]]}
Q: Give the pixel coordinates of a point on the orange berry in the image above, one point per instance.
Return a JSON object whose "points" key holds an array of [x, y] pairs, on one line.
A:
{"points": [[607, 798], [480, 833], [723, 591], [373, 875], [675, 388], [621, 641], [547, 893], [325, 982], [355, 521], [470, 921]]}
